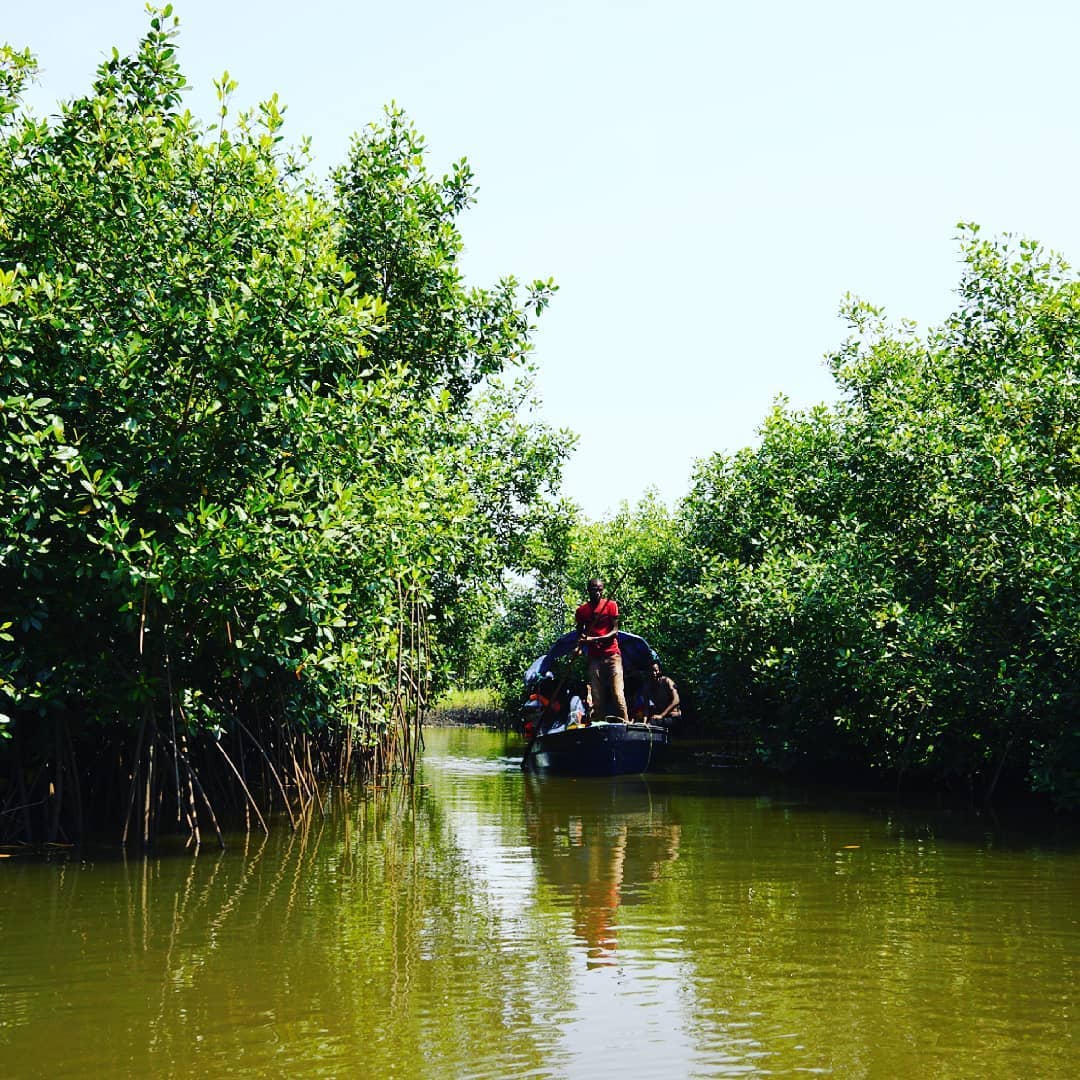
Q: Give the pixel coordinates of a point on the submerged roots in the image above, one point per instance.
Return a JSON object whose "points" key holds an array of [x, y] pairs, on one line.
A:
{"points": [[171, 779]]}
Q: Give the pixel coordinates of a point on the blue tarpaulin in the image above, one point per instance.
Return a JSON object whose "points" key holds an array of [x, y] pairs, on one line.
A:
{"points": [[636, 653]]}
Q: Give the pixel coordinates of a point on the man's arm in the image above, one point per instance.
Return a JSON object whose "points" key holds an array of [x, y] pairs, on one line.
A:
{"points": [[583, 627], [610, 634]]}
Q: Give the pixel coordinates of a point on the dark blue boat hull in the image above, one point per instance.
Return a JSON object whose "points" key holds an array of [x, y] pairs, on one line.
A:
{"points": [[600, 749]]}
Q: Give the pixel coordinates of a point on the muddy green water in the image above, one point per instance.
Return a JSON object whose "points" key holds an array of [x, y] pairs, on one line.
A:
{"points": [[489, 924]]}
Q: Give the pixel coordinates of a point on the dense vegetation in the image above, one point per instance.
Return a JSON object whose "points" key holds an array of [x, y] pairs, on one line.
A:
{"points": [[890, 583], [248, 424], [265, 458]]}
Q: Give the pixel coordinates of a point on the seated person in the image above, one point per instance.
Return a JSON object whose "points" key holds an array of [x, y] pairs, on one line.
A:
{"points": [[578, 708], [665, 698], [546, 709], [529, 715]]}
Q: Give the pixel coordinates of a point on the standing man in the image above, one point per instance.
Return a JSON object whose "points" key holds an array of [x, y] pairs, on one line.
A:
{"points": [[598, 624]]}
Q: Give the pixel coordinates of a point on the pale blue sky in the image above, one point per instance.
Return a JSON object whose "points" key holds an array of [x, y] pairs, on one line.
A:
{"points": [[704, 180]]}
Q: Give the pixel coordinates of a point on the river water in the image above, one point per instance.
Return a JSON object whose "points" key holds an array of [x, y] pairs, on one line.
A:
{"points": [[492, 924]]}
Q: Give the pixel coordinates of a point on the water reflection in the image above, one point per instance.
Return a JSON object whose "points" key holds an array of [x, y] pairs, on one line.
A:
{"points": [[362, 940], [489, 923], [598, 844]]}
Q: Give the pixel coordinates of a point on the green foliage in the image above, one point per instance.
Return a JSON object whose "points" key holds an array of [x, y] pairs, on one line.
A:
{"points": [[174, 306], [889, 583], [255, 446], [638, 554], [892, 582], [520, 628], [476, 700], [401, 240], [466, 348]]}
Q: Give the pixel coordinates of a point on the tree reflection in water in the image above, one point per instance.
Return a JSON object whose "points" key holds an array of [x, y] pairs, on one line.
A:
{"points": [[487, 923]]}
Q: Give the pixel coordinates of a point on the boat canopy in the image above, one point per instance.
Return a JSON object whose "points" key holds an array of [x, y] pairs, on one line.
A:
{"points": [[636, 653]]}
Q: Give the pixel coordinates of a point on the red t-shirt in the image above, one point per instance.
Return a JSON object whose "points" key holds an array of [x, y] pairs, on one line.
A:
{"points": [[599, 620]]}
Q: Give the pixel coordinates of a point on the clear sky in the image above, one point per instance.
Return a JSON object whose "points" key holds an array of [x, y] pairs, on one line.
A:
{"points": [[704, 180]]}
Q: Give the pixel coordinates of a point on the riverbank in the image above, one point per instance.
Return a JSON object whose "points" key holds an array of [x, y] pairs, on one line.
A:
{"points": [[469, 716]]}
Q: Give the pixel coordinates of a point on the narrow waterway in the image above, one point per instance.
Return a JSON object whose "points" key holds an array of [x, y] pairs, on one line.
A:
{"points": [[492, 924]]}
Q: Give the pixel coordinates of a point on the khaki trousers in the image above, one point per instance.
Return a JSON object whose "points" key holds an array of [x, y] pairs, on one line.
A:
{"points": [[606, 680]]}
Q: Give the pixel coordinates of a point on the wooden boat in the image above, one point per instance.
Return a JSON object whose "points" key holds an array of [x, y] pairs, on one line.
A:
{"points": [[600, 748], [590, 748]]}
